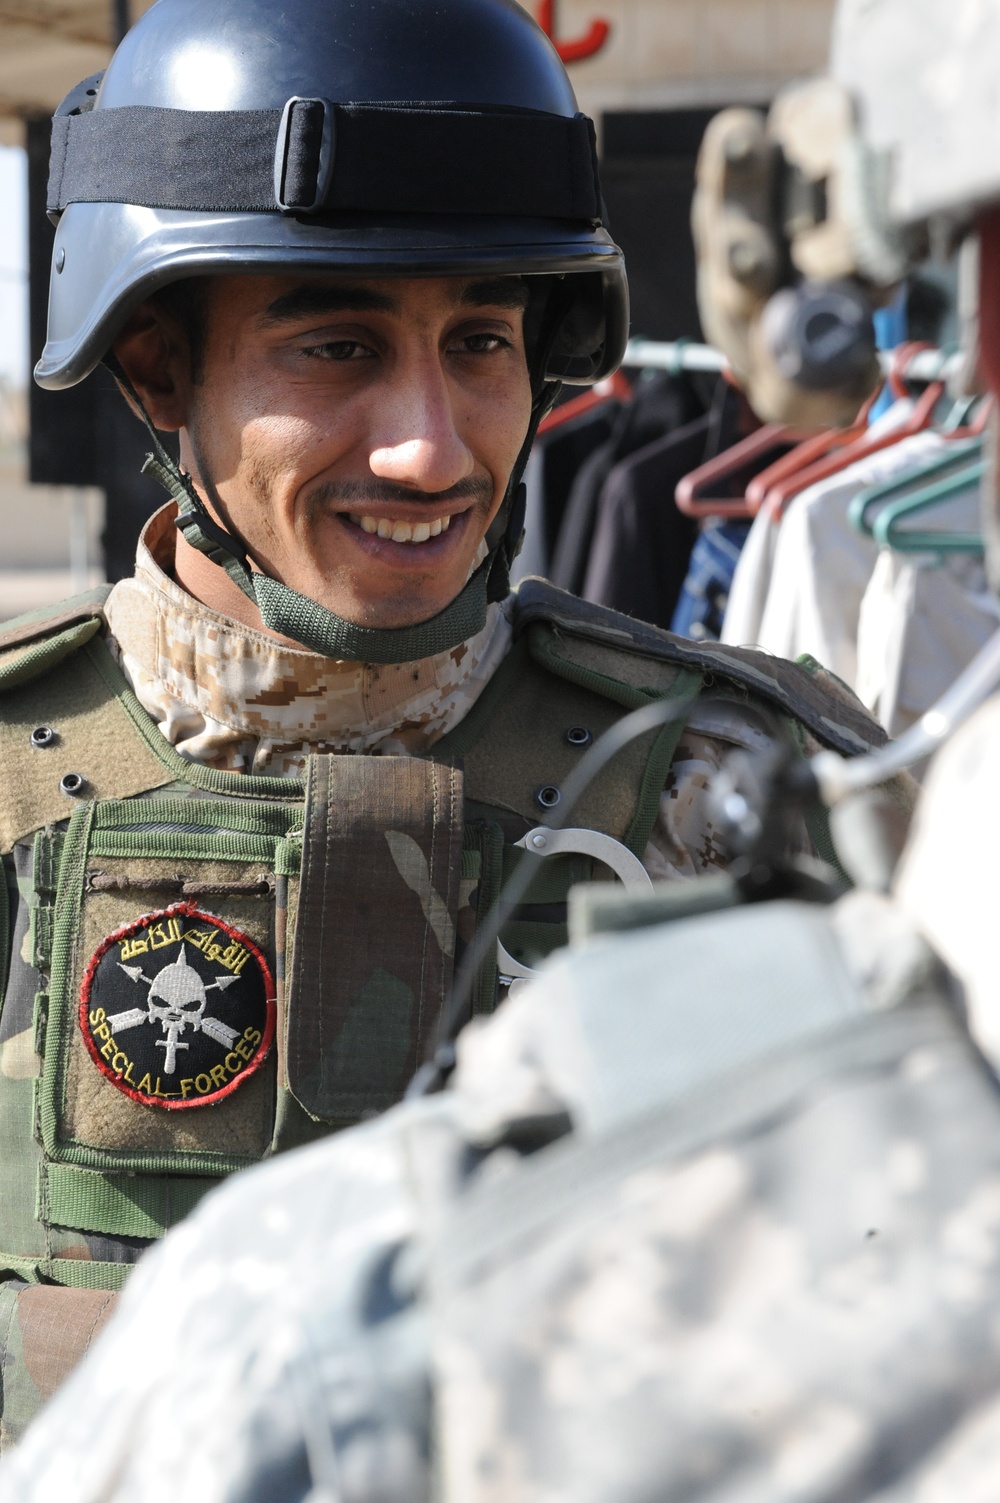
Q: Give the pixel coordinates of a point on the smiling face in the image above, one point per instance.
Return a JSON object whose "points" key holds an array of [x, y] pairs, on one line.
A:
{"points": [[358, 436]]}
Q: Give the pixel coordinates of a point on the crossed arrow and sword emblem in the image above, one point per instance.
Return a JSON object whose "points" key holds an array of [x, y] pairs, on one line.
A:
{"points": [[177, 1000]]}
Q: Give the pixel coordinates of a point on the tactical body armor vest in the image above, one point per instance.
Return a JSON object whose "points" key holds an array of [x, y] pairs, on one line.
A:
{"points": [[203, 968]]}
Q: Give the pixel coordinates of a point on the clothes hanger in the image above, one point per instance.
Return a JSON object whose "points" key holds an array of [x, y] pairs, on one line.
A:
{"points": [[810, 450], [867, 504], [717, 488], [614, 387], [862, 445], [889, 531], [965, 446]]}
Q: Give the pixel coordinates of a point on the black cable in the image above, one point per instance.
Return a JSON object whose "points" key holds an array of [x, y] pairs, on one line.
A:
{"points": [[432, 1075]]}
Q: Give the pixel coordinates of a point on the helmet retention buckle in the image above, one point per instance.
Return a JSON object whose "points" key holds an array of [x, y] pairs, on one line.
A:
{"points": [[304, 155]]}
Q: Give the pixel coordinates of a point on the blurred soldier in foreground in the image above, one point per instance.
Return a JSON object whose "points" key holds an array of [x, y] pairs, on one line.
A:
{"points": [[256, 801]]}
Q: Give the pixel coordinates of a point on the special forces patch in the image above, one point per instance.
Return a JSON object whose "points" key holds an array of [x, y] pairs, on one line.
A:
{"points": [[177, 1009]]}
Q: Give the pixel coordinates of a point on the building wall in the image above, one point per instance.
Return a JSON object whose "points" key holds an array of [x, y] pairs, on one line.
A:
{"points": [[668, 54]]}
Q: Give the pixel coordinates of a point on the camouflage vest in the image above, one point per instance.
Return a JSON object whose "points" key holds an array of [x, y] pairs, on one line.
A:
{"points": [[204, 967]]}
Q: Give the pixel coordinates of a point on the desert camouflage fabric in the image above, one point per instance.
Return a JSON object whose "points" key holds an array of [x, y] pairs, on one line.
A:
{"points": [[237, 699], [748, 1250], [234, 698]]}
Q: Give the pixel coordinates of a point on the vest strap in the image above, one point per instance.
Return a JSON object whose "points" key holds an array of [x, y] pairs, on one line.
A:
{"points": [[375, 931]]}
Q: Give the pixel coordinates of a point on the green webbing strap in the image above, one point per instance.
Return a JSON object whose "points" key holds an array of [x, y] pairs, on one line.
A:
{"points": [[75, 1273], [298, 617], [39, 657], [117, 1205]]}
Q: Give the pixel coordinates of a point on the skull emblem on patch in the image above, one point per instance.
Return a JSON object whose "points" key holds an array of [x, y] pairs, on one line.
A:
{"points": [[177, 1008]]}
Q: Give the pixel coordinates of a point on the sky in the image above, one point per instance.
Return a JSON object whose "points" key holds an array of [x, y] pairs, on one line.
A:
{"points": [[13, 265]]}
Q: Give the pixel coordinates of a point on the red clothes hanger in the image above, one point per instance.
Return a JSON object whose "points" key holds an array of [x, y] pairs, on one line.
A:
{"points": [[858, 445], [806, 453], [615, 387], [572, 52], [717, 488]]}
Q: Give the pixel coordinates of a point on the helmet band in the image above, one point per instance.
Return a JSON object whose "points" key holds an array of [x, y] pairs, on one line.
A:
{"points": [[314, 158]]}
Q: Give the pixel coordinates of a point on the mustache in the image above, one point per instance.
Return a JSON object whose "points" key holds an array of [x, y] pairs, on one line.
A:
{"points": [[474, 488]]}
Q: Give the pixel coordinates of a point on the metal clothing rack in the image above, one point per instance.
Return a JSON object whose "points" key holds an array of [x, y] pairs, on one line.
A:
{"points": [[686, 355]]}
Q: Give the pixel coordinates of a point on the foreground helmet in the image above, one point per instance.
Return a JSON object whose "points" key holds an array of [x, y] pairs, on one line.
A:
{"points": [[923, 74], [388, 137]]}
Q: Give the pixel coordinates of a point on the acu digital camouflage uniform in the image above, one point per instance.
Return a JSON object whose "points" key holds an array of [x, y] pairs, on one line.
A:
{"points": [[748, 1249], [355, 885]]}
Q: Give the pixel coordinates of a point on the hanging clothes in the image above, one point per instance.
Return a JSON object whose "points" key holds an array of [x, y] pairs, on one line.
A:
{"points": [[799, 583], [822, 564], [922, 620], [642, 546], [701, 606], [642, 543], [662, 405]]}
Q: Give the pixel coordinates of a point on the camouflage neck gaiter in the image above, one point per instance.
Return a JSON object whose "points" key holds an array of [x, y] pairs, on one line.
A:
{"points": [[231, 697]]}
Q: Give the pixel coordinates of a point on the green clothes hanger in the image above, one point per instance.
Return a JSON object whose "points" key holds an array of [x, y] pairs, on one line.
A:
{"points": [[889, 529], [867, 504]]}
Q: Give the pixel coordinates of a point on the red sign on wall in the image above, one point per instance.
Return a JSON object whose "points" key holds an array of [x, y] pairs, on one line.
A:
{"points": [[572, 52]]}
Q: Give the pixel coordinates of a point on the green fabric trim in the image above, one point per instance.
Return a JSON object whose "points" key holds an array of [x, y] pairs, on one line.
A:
{"points": [[813, 666], [40, 935], [816, 815], [531, 940], [686, 687], [302, 619], [189, 830], [241, 785], [40, 1022], [60, 1034], [184, 847], [484, 839], [542, 639], [39, 657], [553, 875], [89, 603], [288, 857], [142, 815], [113, 1204], [45, 862], [72, 873], [72, 1273]]}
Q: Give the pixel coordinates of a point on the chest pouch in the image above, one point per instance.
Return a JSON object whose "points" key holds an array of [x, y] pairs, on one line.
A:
{"points": [[374, 929], [157, 935]]}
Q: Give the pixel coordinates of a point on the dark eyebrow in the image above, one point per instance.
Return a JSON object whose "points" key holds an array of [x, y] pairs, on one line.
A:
{"points": [[309, 302], [498, 292]]}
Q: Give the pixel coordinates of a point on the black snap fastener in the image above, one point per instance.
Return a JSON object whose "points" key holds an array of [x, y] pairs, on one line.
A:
{"points": [[61, 254], [578, 735], [73, 784], [548, 796], [44, 735]]}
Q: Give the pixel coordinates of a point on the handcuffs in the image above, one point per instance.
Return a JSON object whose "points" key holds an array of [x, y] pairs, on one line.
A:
{"points": [[544, 842]]}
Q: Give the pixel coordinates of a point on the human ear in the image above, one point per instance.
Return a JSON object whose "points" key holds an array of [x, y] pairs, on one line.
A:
{"points": [[154, 353]]}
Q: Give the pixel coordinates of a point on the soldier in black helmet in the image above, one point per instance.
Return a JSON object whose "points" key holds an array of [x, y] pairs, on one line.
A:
{"points": [[259, 797]]}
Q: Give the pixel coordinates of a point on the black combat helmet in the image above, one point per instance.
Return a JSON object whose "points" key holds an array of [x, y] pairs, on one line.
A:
{"points": [[389, 137]]}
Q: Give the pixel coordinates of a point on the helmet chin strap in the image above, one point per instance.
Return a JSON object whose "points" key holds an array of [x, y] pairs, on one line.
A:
{"points": [[293, 615]]}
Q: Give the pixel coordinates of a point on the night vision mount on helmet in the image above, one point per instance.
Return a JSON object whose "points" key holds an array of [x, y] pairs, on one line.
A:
{"points": [[382, 139]]}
